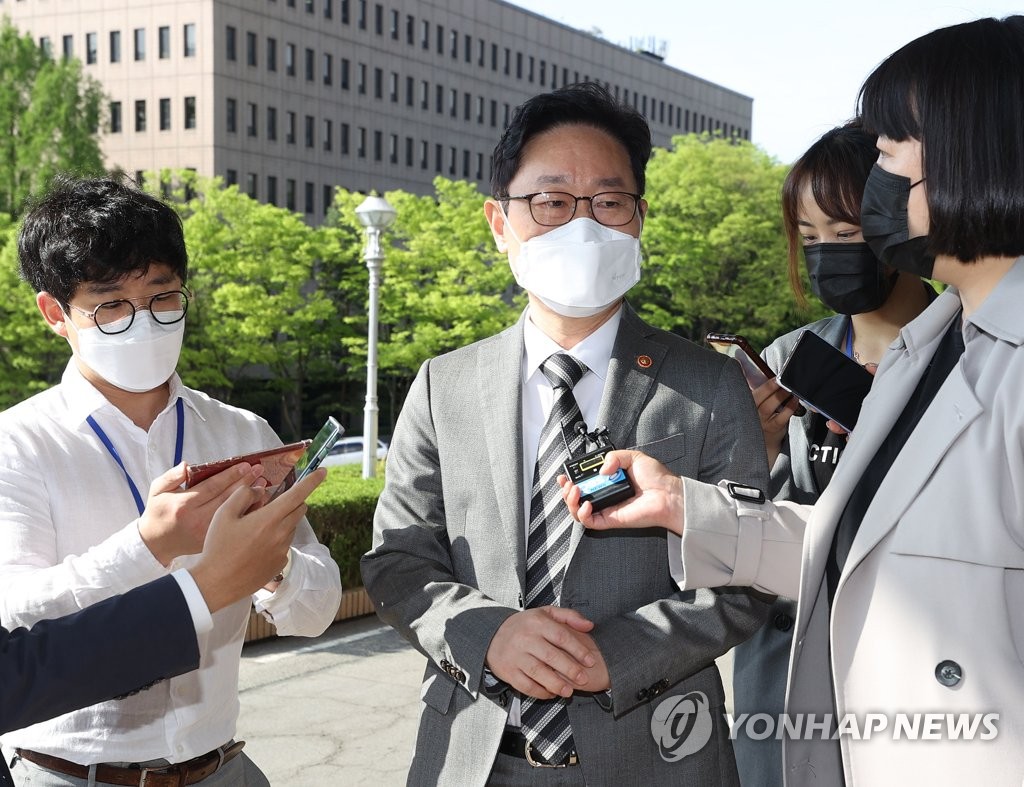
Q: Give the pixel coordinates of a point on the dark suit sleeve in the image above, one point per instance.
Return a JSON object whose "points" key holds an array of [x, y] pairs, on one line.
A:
{"points": [[111, 648]]}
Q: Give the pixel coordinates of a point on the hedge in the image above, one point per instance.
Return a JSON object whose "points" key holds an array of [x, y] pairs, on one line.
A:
{"points": [[341, 513]]}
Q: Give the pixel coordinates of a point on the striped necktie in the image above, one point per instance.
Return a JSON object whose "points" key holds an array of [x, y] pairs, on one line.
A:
{"points": [[545, 723]]}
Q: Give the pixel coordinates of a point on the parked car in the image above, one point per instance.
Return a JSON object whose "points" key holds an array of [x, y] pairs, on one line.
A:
{"points": [[349, 451]]}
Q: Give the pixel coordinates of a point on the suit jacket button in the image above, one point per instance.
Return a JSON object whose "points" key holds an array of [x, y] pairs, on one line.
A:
{"points": [[641, 695], [445, 664], [948, 673], [783, 622], [460, 676]]}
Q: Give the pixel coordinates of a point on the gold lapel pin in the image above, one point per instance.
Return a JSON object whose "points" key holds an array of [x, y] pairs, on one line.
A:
{"points": [[644, 361]]}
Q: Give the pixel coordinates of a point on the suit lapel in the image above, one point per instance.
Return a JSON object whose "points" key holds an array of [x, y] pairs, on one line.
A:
{"points": [[499, 372]]}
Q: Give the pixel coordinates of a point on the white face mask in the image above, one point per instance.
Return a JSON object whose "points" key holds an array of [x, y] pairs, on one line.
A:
{"points": [[140, 359], [578, 269]]}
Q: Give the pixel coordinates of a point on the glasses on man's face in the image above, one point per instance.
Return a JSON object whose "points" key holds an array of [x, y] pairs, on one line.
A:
{"points": [[554, 208], [115, 317]]}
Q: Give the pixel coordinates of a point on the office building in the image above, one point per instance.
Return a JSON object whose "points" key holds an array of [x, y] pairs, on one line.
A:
{"points": [[290, 98]]}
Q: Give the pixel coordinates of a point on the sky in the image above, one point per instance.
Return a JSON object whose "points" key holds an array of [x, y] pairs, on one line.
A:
{"points": [[802, 61]]}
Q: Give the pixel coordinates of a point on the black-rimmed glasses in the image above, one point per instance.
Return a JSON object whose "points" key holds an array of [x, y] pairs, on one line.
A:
{"points": [[115, 317], [555, 208]]}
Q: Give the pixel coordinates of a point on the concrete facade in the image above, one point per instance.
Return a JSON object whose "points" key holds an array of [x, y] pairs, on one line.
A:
{"points": [[290, 98]]}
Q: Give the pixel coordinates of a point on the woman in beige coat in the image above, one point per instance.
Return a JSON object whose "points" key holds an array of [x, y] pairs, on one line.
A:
{"points": [[910, 568]]}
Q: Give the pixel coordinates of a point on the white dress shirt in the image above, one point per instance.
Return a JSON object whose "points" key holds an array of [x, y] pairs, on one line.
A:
{"points": [[69, 537]]}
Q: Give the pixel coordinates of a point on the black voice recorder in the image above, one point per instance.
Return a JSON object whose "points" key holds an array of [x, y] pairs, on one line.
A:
{"points": [[584, 471]]}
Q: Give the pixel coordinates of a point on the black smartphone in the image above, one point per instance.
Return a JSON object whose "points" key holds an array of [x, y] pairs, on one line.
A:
{"points": [[321, 444], [755, 370], [826, 379]]}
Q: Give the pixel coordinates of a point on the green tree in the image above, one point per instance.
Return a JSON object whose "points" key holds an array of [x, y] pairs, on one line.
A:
{"points": [[49, 118], [715, 250], [259, 317], [444, 285]]}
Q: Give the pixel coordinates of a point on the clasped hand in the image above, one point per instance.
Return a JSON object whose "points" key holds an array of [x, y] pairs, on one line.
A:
{"points": [[547, 652]]}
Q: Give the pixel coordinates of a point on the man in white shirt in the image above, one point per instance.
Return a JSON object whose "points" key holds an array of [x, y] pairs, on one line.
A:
{"points": [[548, 648], [109, 267]]}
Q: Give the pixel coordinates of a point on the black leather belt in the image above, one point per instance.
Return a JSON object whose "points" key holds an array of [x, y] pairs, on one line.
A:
{"points": [[514, 744]]}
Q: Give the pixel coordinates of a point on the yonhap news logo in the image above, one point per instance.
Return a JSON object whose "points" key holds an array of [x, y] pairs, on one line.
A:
{"points": [[682, 725]]}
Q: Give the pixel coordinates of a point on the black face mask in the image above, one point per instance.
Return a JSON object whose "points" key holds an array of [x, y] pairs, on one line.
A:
{"points": [[847, 277], [883, 222]]}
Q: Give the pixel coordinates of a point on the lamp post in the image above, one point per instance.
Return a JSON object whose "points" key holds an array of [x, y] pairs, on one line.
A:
{"points": [[375, 214]]}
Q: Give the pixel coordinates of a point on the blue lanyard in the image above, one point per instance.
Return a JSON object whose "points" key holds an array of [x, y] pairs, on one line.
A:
{"points": [[849, 341], [179, 441]]}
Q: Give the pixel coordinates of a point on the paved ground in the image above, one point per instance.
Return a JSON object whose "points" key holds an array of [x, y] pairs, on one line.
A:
{"points": [[337, 711]]}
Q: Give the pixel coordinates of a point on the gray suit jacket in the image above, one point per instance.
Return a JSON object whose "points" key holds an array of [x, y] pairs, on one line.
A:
{"points": [[447, 565]]}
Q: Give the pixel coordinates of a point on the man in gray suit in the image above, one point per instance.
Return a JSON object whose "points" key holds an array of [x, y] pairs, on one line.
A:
{"points": [[557, 655]]}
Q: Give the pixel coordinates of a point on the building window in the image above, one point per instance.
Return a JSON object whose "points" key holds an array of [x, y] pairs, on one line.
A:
{"points": [[480, 109], [440, 39], [425, 34], [328, 68], [309, 7], [408, 151], [424, 154], [361, 143], [190, 111], [508, 61], [439, 99], [410, 88], [230, 43], [328, 9], [115, 46], [529, 71], [230, 177], [310, 68], [115, 117], [519, 65], [251, 120], [289, 135], [452, 153], [410, 30], [361, 86], [393, 87], [378, 145], [378, 83], [163, 42], [483, 48], [393, 148], [68, 47], [328, 198], [140, 115], [394, 25], [289, 194], [344, 139], [424, 94], [362, 14], [328, 135], [465, 164], [289, 59], [140, 43], [309, 131], [454, 39], [271, 54], [467, 99], [494, 113], [272, 124], [453, 102], [344, 12], [91, 49], [271, 189], [479, 166], [438, 157], [309, 197], [250, 185], [378, 19], [189, 38], [250, 49], [494, 57], [232, 115], [165, 114], [345, 73], [46, 47]]}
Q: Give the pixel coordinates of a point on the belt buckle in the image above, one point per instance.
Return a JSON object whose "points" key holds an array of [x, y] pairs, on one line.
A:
{"points": [[572, 759], [182, 775]]}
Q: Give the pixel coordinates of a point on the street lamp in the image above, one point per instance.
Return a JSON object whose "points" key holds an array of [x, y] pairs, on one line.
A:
{"points": [[375, 214]]}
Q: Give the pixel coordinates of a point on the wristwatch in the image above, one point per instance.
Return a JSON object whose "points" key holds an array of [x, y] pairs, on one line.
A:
{"points": [[287, 568]]}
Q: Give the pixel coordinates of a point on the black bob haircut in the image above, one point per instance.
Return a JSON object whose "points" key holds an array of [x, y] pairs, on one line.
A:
{"points": [[585, 104], [959, 90], [836, 167], [96, 230]]}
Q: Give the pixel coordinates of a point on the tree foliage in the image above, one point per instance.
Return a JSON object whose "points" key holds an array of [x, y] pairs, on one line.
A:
{"points": [[715, 250], [49, 116]]}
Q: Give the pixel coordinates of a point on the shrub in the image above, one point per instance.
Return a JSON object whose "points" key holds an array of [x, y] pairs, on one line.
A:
{"points": [[341, 513]]}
